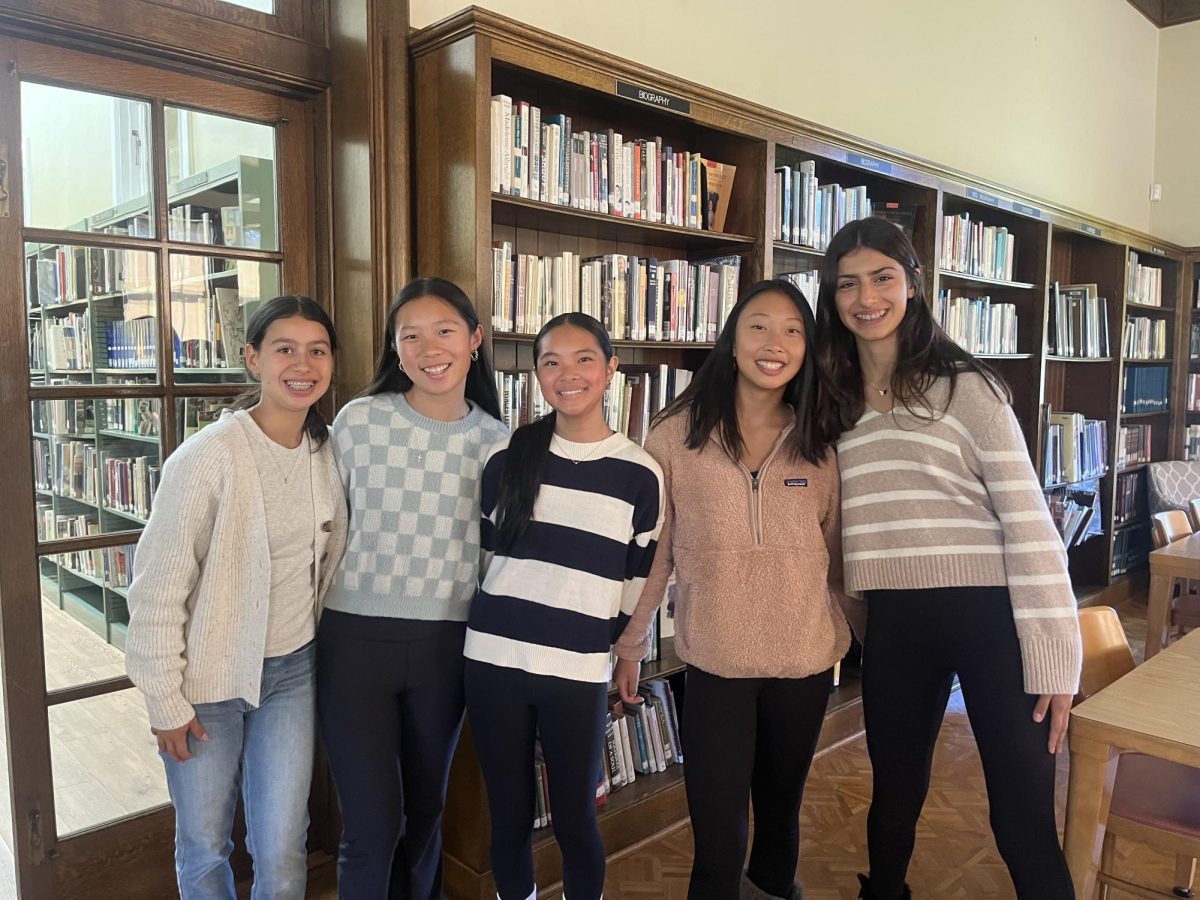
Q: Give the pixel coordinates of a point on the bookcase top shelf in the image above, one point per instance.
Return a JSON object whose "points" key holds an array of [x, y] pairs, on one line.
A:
{"points": [[521, 212], [617, 343], [948, 275]]}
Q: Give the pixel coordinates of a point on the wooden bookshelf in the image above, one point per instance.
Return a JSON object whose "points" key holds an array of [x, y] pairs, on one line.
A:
{"points": [[458, 64]]}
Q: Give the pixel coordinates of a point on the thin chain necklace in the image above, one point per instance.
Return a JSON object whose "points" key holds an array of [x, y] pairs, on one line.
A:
{"points": [[295, 457], [881, 391], [562, 448]]}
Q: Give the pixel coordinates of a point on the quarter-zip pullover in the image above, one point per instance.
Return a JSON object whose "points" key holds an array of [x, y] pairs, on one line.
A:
{"points": [[757, 558]]}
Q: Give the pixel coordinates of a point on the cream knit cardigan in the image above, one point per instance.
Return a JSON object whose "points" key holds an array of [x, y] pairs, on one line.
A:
{"points": [[202, 574]]}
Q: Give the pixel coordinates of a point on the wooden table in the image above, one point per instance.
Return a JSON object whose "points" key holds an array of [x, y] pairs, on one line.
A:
{"points": [[1180, 559], [1155, 709]]}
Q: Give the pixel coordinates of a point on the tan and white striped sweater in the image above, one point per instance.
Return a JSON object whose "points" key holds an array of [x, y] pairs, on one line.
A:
{"points": [[954, 502]]}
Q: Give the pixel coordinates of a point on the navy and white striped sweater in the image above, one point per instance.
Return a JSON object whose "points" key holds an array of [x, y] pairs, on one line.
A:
{"points": [[559, 599]]}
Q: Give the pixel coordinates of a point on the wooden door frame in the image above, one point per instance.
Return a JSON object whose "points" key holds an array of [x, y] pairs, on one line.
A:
{"points": [[133, 856]]}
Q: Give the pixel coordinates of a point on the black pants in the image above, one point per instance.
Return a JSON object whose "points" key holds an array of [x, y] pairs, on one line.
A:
{"points": [[390, 706], [507, 710], [748, 739], [916, 641]]}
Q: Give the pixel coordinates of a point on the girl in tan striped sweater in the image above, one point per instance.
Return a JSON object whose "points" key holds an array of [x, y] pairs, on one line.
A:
{"points": [[947, 534]]}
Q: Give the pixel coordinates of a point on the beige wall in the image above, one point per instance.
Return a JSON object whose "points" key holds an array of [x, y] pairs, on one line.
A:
{"points": [[1052, 97], [1177, 150]]}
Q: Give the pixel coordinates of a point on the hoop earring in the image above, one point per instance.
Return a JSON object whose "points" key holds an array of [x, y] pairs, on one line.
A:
{"points": [[475, 354]]}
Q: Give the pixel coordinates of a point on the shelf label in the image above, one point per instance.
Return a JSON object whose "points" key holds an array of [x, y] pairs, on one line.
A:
{"points": [[188, 183], [1089, 229], [653, 97], [1026, 210], [869, 162], [104, 216], [989, 199], [1158, 250]]}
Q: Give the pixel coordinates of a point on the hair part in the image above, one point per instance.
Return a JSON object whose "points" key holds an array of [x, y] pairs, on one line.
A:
{"points": [[710, 400], [529, 446], [390, 378], [925, 352], [287, 306]]}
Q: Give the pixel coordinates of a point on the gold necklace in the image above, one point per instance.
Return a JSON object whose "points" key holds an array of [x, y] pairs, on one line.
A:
{"points": [[562, 448], [881, 391]]}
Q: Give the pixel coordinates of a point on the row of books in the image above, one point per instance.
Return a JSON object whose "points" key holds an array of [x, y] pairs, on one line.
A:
{"points": [[1144, 283], [68, 273], [1131, 547], [976, 323], [194, 413], [1145, 389], [61, 526], [1194, 342], [205, 225], [1133, 445], [973, 248], [132, 343], [130, 483], [635, 298], [810, 213], [1144, 338], [541, 158], [75, 471], [37, 351], [68, 342], [642, 739], [1076, 448], [634, 398], [1073, 512], [1128, 503], [1191, 443], [133, 415], [1193, 392], [43, 465], [1078, 322], [809, 284], [65, 417]]}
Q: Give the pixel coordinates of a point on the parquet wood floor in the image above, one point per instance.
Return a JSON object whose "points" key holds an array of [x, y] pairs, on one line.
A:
{"points": [[955, 855]]}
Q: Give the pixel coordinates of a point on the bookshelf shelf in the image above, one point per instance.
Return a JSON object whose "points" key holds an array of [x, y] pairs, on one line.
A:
{"points": [[1139, 522], [119, 371], [64, 308], [125, 515], [520, 212], [1058, 486], [1003, 356], [1166, 360], [131, 436], [798, 249], [617, 342], [1149, 307], [1132, 467], [1079, 359], [1146, 415], [948, 275]]}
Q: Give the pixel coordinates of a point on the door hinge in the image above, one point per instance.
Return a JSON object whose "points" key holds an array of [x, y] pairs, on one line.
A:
{"points": [[4, 179]]}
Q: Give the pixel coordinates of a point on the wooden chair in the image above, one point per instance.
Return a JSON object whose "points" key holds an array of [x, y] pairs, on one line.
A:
{"points": [[1154, 801], [1169, 527], [1194, 513]]}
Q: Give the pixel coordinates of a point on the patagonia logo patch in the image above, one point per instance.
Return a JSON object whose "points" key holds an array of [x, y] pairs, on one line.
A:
{"points": [[795, 482]]}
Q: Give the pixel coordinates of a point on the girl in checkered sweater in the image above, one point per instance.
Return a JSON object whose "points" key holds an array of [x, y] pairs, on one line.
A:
{"points": [[389, 649]]}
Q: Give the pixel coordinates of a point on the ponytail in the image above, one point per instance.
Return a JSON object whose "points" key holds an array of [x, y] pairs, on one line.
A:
{"points": [[524, 468]]}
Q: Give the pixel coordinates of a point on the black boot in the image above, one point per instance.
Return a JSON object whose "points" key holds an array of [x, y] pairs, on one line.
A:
{"points": [[751, 891], [866, 893]]}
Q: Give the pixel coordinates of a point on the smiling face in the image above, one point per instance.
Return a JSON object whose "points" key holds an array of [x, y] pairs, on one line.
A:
{"points": [[768, 342], [293, 363], [435, 345], [573, 372], [872, 294]]}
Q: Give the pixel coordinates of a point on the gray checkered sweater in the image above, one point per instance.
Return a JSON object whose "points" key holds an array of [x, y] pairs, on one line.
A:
{"points": [[413, 488]]}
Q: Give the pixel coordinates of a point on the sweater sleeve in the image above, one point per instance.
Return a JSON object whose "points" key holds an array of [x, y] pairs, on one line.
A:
{"points": [[1039, 585], [655, 564], [166, 570], [854, 608], [489, 492]]}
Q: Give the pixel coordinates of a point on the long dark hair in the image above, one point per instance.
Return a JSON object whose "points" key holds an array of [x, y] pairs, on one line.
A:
{"points": [[284, 307], [529, 446], [710, 400], [925, 352], [389, 378]]}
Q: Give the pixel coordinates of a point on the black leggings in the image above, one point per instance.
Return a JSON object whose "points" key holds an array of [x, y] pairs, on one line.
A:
{"points": [[390, 705], [748, 739], [507, 710], [916, 641]]}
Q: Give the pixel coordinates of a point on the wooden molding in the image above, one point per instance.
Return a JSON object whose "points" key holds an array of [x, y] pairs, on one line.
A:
{"points": [[161, 34]]}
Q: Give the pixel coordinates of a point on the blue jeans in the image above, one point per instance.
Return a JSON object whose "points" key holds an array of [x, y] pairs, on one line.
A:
{"points": [[268, 750]]}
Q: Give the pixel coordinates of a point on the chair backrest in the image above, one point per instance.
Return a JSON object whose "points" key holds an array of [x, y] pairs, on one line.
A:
{"points": [[1194, 513], [1170, 526], [1171, 484], [1106, 653]]}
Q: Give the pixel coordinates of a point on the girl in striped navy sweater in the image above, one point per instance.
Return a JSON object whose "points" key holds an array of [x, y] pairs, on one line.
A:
{"points": [[571, 512]]}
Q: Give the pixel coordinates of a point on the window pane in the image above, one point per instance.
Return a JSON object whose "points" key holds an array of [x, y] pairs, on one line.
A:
{"points": [[86, 161], [220, 180], [105, 761], [267, 6], [96, 465], [92, 314], [193, 413], [212, 300]]}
